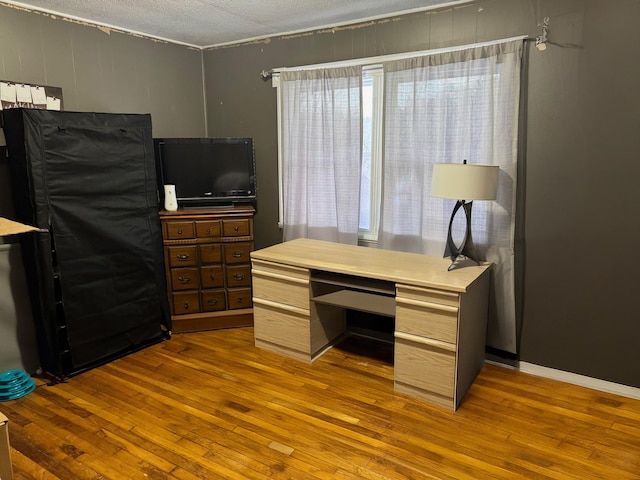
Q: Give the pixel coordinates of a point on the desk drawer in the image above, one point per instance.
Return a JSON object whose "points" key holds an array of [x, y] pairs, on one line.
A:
{"points": [[290, 291], [281, 327], [430, 295], [431, 320], [425, 367]]}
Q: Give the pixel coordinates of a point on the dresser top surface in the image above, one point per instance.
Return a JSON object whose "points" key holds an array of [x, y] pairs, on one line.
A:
{"points": [[399, 267]]}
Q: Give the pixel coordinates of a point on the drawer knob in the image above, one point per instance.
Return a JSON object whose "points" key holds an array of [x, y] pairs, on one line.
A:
{"points": [[208, 231], [186, 305], [212, 301], [237, 254], [184, 280], [239, 299], [179, 231], [213, 277], [236, 228], [238, 276], [182, 257]]}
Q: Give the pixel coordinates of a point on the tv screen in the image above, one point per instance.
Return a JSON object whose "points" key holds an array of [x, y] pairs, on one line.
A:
{"points": [[208, 171]]}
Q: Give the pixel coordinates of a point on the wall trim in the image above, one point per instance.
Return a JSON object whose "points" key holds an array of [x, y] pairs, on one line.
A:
{"points": [[573, 378]]}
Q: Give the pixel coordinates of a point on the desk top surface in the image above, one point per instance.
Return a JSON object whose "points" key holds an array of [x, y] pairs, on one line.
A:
{"points": [[399, 267]]}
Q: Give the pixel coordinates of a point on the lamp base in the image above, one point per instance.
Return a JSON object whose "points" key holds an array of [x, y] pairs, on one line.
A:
{"points": [[464, 254]]}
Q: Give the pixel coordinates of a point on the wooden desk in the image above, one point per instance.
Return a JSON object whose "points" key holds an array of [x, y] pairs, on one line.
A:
{"points": [[302, 288]]}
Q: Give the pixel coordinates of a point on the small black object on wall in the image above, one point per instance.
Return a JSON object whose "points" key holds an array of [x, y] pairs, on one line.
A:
{"points": [[96, 278]]}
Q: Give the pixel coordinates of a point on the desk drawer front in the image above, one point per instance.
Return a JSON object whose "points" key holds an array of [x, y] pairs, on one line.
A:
{"points": [[424, 367], [431, 320], [282, 327], [280, 270], [429, 295], [286, 290]]}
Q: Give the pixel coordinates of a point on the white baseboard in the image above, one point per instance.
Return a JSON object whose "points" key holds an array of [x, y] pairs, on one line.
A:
{"points": [[574, 378]]}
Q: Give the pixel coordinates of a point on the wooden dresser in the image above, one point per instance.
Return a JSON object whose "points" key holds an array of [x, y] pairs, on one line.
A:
{"points": [[303, 288], [206, 254]]}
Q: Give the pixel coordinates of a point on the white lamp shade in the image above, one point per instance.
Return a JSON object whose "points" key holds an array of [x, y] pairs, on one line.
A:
{"points": [[464, 182]]}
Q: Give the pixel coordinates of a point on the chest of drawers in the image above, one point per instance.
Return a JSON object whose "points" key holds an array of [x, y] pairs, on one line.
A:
{"points": [[207, 261]]}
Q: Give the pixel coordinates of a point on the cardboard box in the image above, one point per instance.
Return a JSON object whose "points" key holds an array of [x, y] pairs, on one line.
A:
{"points": [[9, 227], [6, 470]]}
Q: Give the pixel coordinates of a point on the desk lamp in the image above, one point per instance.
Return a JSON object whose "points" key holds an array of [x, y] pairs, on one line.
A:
{"points": [[464, 183]]}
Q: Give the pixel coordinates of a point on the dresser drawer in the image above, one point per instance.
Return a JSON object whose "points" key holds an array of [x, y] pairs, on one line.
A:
{"points": [[239, 298], [208, 229], [185, 302], [184, 278], [178, 230], [212, 277], [182, 256], [238, 276], [425, 367], [236, 228], [213, 300], [432, 320], [238, 252], [210, 253]]}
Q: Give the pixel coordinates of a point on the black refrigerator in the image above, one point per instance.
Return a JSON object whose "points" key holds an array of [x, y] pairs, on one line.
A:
{"points": [[96, 277]]}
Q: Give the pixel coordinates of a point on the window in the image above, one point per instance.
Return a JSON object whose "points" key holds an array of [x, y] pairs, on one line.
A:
{"points": [[413, 111]]}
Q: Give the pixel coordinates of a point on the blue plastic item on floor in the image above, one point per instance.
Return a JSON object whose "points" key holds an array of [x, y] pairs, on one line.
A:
{"points": [[15, 384]]}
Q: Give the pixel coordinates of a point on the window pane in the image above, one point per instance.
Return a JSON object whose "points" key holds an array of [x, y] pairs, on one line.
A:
{"points": [[365, 181]]}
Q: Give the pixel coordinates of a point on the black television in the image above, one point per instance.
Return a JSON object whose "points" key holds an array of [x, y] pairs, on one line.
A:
{"points": [[207, 171]]}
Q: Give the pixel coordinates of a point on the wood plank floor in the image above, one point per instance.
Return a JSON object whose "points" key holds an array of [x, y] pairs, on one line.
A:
{"points": [[210, 405]]}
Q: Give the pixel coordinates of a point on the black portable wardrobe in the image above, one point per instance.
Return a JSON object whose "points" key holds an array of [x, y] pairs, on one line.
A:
{"points": [[96, 278]]}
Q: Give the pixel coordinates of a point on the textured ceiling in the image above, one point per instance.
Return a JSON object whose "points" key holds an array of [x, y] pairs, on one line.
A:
{"points": [[204, 23]]}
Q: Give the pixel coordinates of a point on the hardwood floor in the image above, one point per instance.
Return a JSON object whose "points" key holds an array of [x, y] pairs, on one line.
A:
{"points": [[210, 405]]}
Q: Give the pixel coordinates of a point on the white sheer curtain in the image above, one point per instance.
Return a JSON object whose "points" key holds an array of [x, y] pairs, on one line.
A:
{"points": [[321, 143], [446, 108]]}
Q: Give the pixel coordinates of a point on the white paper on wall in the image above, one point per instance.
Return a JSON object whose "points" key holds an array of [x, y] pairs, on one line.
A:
{"points": [[38, 94], [23, 95], [8, 92], [53, 103]]}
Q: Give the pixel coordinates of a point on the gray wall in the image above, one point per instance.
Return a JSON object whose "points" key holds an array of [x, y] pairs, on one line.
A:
{"points": [[97, 71], [580, 163]]}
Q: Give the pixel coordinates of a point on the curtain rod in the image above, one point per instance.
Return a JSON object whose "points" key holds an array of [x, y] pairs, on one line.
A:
{"points": [[267, 74]]}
